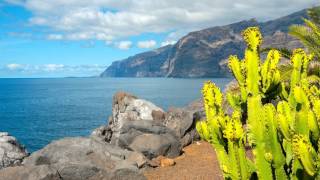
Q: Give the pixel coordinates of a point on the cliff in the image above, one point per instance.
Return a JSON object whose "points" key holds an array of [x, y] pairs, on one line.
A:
{"points": [[203, 53]]}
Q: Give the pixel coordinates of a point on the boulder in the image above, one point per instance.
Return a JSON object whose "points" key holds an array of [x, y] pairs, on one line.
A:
{"points": [[182, 121], [153, 145], [179, 120], [42, 172], [11, 151], [126, 107], [78, 158], [148, 137], [137, 125], [129, 107]]}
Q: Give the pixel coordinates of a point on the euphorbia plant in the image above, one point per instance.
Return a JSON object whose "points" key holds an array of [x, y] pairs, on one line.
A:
{"points": [[281, 122]]}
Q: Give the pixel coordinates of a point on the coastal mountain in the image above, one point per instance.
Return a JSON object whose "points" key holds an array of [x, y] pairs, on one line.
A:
{"points": [[204, 53]]}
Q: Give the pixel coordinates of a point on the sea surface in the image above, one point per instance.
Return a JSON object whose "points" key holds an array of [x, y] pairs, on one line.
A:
{"points": [[37, 111]]}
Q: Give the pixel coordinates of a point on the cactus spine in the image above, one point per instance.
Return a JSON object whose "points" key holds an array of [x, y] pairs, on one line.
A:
{"points": [[279, 135]]}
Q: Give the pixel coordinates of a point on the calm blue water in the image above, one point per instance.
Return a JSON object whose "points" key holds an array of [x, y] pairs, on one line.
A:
{"points": [[38, 111]]}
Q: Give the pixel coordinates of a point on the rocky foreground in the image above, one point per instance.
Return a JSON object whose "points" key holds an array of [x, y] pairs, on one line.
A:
{"points": [[139, 137]]}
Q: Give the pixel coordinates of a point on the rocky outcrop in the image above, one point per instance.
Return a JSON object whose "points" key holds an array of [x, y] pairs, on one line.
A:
{"points": [[78, 158], [127, 110], [138, 125], [83, 158], [11, 151], [203, 53]]}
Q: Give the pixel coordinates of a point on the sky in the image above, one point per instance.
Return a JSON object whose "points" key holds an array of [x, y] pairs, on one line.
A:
{"points": [[61, 38]]}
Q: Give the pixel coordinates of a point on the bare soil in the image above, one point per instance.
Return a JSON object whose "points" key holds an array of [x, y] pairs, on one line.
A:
{"points": [[198, 162]]}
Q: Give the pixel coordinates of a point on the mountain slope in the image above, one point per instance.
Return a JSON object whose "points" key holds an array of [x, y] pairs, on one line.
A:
{"points": [[147, 64], [203, 53]]}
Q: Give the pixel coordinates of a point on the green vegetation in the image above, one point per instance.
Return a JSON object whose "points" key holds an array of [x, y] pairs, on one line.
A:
{"points": [[309, 36], [279, 123]]}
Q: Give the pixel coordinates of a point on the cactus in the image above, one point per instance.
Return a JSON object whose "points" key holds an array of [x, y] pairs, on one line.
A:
{"points": [[284, 136], [225, 134], [253, 78]]}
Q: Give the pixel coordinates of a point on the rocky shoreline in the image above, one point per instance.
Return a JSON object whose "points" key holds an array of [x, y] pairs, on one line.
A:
{"points": [[138, 136]]}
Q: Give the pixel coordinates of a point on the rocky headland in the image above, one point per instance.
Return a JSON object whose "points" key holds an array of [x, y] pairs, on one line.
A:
{"points": [[204, 53], [139, 136]]}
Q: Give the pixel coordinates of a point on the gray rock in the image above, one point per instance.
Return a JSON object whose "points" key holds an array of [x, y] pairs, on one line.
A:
{"points": [[154, 145], [134, 135], [81, 172], [179, 120], [126, 107], [136, 120], [126, 174], [76, 172], [138, 158], [42, 172], [83, 158], [182, 121], [11, 151]]}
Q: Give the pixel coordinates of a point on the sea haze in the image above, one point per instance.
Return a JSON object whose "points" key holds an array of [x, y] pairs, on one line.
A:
{"points": [[37, 111]]}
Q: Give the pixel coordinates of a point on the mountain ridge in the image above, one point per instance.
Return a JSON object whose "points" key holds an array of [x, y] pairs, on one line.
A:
{"points": [[203, 53]]}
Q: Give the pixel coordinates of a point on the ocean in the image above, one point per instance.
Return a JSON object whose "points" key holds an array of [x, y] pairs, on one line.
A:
{"points": [[37, 111]]}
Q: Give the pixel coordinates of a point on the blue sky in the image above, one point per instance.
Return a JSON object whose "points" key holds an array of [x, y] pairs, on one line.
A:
{"points": [[45, 38]]}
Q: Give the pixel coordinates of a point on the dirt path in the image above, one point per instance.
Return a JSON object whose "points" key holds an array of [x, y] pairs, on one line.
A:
{"points": [[199, 162]]}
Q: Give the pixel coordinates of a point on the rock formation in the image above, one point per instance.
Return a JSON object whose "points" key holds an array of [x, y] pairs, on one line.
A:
{"points": [[78, 158], [141, 126], [11, 151]]}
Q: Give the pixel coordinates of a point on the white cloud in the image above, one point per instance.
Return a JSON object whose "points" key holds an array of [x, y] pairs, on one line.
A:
{"points": [[117, 19], [43, 69], [124, 45], [168, 42], [15, 66], [55, 37], [79, 36], [38, 21], [52, 67], [147, 44]]}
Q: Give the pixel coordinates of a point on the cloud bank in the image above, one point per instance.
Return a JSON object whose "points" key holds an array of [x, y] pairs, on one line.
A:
{"points": [[52, 69], [124, 45], [112, 20], [147, 44]]}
